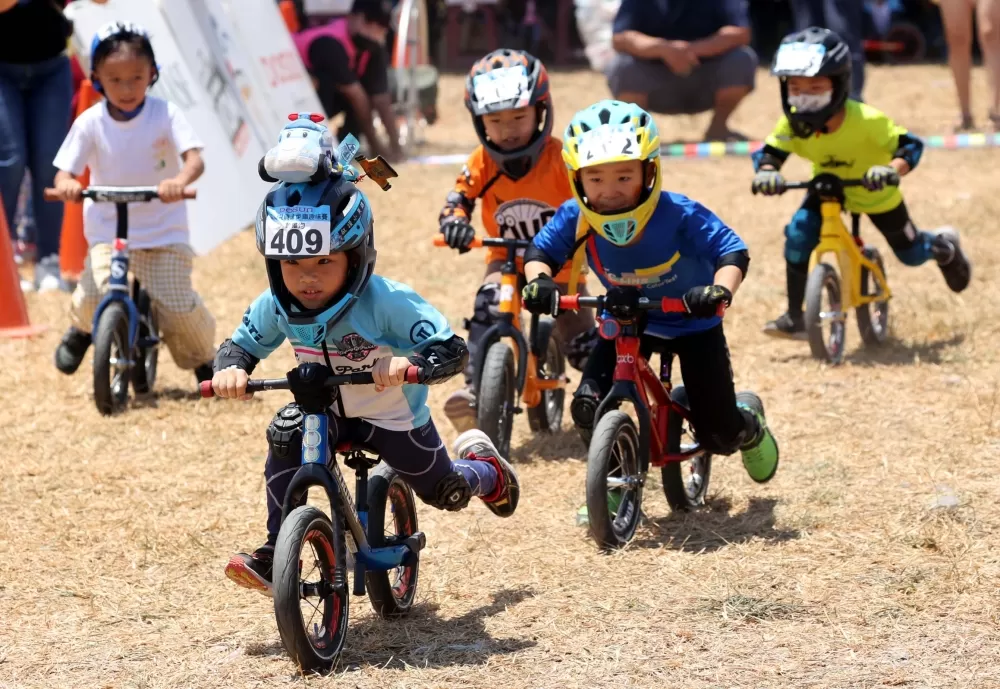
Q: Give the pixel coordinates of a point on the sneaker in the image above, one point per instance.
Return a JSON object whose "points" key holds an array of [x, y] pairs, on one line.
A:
{"points": [[24, 252], [477, 445], [787, 326], [71, 350], [204, 372], [952, 261], [252, 571], [47, 274], [460, 408], [760, 455]]}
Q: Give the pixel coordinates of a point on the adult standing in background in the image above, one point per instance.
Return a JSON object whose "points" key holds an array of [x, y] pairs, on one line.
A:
{"points": [[957, 18], [846, 19], [684, 57], [36, 88]]}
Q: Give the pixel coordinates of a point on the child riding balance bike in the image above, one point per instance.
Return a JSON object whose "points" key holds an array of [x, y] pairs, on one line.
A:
{"points": [[645, 242]]}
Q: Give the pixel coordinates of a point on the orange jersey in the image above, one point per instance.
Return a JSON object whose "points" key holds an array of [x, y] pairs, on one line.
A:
{"points": [[517, 209]]}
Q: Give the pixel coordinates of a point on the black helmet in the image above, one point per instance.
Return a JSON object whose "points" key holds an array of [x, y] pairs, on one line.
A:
{"points": [[813, 52]]}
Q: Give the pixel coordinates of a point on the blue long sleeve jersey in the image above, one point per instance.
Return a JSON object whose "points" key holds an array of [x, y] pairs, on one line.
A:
{"points": [[679, 248], [389, 319]]}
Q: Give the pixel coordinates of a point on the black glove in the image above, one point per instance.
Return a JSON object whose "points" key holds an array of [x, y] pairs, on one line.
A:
{"points": [[541, 295], [308, 385], [768, 183], [458, 233], [623, 302], [879, 177], [703, 302]]}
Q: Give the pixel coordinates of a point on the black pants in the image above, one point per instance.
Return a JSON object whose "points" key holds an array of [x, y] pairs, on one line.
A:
{"points": [[708, 378]]}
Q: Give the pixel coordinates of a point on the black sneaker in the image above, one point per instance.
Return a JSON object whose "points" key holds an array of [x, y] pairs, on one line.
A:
{"points": [[954, 264], [477, 445], [252, 571], [70, 352], [787, 326], [204, 372]]}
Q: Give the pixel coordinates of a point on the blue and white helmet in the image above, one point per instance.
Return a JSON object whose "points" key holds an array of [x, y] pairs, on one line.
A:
{"points": [[306, 220]]}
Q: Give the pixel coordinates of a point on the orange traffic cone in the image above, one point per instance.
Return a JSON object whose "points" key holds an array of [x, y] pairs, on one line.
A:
{"points": [[290, 16], [72, 244], [13, 311]]}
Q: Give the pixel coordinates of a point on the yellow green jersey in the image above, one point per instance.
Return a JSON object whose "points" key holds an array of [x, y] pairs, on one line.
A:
{"points": [[867, 137]]}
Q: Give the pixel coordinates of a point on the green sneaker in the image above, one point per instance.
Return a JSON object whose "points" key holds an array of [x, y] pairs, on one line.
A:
{"points": [[760, 456]]}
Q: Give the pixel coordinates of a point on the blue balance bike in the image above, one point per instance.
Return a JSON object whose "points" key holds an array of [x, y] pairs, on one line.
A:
{"points": [[377, 529], [125, 331]]}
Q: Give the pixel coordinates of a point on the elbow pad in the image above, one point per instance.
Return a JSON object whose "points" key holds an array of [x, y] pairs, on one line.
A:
{"points": [[440, 361], [533, 253], [768, 155], [910, 149], [231, 354], [740, 259]]}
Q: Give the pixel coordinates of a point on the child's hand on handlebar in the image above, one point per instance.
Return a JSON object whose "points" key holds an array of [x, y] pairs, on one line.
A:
{"points": [[231, 383], [390, 371], [170, 190], [768, 183], [541, 295], [458, 234], [879, 177], [69, 189], [703, 302]]}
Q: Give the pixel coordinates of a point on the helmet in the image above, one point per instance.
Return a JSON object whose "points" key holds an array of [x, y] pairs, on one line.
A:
{"points": [[121, 31], [611, 131], [503, 80], [813, 52], [334, 205]]}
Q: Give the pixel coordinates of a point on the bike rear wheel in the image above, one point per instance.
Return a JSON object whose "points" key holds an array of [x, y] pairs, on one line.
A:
{"points": [[825, 316], [685, 484], [144, 370], [391, 593], [112, 359], [873, 318], [495, 407], [547, 415], [308, 543], [614, 484]]}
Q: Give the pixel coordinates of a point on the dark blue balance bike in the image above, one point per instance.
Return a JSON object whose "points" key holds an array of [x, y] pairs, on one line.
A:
{"points": [[126, 335], [379, 527]]}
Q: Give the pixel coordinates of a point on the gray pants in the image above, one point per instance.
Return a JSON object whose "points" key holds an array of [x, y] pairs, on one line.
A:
{"points": [[846, 19], [672, 94]]}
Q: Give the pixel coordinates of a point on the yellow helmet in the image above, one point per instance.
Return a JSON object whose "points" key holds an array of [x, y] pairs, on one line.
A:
{"points": [[611, 131]]}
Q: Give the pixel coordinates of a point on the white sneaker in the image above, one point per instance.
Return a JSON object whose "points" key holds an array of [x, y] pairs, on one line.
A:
{"points": [[47, 274]]}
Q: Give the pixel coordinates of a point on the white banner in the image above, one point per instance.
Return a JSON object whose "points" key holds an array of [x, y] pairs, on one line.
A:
{"points": [[230, 190], [278, 69]]}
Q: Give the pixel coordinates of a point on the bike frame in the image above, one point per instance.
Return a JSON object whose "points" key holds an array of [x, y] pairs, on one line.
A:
{"points": [[847, 248], [320, 468]]}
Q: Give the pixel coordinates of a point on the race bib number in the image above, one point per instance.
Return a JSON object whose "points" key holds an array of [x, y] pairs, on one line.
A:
{"points": [[608, 141], [803, 59], [297, 231], [502, 85]]}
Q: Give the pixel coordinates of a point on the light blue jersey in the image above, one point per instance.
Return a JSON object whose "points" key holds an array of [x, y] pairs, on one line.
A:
{"points": [[389, 319]]}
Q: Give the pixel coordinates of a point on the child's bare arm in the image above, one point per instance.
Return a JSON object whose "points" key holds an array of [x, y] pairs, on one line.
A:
{"points": [[172, 189]]}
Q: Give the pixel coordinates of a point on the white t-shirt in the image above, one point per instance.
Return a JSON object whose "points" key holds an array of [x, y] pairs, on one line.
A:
{"points": [[141, 152]]}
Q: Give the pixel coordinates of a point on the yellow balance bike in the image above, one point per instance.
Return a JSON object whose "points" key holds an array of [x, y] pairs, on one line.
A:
{"points": [[861, 269], [510, 367]]}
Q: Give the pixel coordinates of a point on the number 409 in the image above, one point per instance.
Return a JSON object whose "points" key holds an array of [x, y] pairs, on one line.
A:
{"points": [[290, 241]]}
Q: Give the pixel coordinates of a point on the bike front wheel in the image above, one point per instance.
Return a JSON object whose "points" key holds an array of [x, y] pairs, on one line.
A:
{"points": [[825, 318], [310, 605], [495, 407], [614, 481], [112, 359]]}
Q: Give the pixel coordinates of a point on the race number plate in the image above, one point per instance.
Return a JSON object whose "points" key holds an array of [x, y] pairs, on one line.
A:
{"points": [[297, 232], [608, 142], [802, 59]]}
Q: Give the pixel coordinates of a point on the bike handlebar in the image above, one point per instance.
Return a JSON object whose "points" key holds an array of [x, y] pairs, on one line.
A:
{"points": [[119, 194], [809, 184], [413, 375], [666, 304], [479, 242]]}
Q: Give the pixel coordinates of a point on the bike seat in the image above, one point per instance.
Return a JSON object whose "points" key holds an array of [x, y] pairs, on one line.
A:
{"points": [[346, 446]]}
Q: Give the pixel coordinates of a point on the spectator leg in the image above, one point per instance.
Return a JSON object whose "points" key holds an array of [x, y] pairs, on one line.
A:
{"points": [[988, 18], [640, 99], [726, 101], [12, 145], [957, 18], [846, 18], [731, 77]]}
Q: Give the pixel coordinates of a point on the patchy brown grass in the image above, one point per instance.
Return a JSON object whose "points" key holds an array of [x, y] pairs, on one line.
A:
{"points": [[839, 573]]}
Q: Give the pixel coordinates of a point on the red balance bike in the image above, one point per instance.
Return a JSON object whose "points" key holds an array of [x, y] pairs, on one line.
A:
{"points": [[620, 453]]}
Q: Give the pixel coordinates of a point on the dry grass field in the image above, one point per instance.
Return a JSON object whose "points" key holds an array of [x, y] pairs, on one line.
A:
{"points": [[871, 560]]}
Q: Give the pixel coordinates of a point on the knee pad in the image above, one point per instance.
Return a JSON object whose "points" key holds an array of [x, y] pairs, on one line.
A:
{"points": [[911, 246], [579, 348], [802, 235], [452, 493], [486, 308], [284, 434]]}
